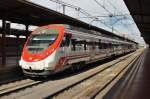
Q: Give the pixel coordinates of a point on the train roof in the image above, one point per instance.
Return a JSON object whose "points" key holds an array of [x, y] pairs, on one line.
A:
{"points": [[96, 32]]}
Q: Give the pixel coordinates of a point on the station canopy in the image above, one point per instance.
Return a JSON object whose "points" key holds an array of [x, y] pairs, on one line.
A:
{"points": [[140, 11], [27, 13]]}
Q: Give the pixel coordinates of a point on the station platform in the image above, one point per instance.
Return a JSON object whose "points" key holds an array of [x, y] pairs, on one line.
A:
{"points": [[10, 69], [11, 62], [138, 86]]}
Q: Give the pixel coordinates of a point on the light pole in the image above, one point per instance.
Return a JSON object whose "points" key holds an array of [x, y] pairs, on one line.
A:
{"points": [[64, 8]]}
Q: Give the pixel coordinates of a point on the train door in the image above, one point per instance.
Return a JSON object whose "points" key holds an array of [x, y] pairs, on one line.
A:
{"points": [[64, 47], [67, 48]]}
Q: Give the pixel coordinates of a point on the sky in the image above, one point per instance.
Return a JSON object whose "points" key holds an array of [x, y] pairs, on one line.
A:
{"points": [[112, 13]]}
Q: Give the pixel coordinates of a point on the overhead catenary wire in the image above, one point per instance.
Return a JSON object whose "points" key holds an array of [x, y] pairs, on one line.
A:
{"points": [[103, 7], [110, 13], [71, 6], [79, 9], [88, 15], [119, 13]]}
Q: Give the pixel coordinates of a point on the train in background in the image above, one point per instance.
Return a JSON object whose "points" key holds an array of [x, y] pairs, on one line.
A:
{"points": [[56, 47]]}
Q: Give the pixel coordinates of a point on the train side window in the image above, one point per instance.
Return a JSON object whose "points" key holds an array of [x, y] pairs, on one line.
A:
{"points": [[90, 45], [109, 45], [85, 45], [105, 45], [99, 44], [73, 46], [93, 45], [102, 46], [79, 45]]}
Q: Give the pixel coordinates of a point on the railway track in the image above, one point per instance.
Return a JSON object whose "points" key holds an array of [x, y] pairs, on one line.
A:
{"points": [[11, 75], [92, 87], [58, 88], [17, 86]]}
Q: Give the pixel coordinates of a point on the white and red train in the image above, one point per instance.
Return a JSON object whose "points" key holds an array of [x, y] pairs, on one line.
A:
{"points": [[54, 48]]}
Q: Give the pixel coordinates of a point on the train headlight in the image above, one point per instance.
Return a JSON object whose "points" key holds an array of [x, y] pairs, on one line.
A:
{"points": [[20, 62]]}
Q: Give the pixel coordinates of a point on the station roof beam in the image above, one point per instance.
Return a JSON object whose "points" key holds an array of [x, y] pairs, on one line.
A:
{"points": [[140, 11]]}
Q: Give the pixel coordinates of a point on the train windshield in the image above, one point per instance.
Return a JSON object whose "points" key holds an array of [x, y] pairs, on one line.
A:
{"points": [[41, 39]]}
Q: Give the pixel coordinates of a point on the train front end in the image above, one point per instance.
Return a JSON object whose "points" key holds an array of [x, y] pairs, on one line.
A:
{"points": [[39, 56]]}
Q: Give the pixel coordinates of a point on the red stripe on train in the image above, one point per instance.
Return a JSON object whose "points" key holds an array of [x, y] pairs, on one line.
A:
{"points": [[34, 57]]}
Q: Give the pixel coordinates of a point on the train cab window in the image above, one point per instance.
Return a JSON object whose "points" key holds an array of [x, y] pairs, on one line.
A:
{"points": [[41, 39]]}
